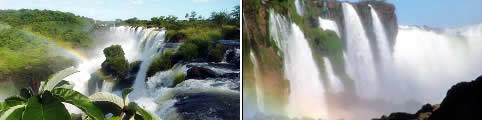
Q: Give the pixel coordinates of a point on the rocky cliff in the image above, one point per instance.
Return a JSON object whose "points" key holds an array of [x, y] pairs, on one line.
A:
{"points": [[463, 102]]}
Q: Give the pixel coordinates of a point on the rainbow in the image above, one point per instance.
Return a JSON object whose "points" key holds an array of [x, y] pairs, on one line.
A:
{"points": [[64, 46]]}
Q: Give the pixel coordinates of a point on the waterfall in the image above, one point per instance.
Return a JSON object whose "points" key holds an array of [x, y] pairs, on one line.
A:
{"points": [[301, 71], [327, 24], [299, 7], [359, 58], [382, 42], [436, 60], [335, 83]]}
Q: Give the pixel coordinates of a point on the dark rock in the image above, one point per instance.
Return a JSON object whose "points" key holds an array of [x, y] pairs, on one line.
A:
{"points": [[207, 106], [463, 102], [230, 75], [425, 108], [232, 57], [200, 73], [398, 116], [176, 38], [134, 67]]}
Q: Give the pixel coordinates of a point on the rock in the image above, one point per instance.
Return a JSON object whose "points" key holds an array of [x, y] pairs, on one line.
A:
{"points": [[200, 73], [232, 57], [230, 75], [463, 102], [398, 116], [207, 106]]}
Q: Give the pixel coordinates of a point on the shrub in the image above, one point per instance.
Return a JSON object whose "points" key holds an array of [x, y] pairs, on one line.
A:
{"points": [[216, 53], [230, 32], [160, 63], [114, 51], [115, 63], [189, 51]]}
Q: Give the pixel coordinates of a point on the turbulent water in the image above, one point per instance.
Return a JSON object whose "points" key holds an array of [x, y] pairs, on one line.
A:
{"points": [[191, 99], [422, 65]]}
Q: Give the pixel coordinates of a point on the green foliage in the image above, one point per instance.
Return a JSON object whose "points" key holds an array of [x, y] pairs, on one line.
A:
{"points": [[77, 99], [179, 78], [114, 118], [188, 51], [220, 18], [127, 109], [47, 103], [115, 63], [160, 63], [230, 32], [114, 51], [13, 113], [57, 78], [56, 25], [216, 53]]}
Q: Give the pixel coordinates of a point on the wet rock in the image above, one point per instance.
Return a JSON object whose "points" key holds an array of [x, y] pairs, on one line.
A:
{"points": [[463, 102], [208, 106], [200, 73], [230, 75]]}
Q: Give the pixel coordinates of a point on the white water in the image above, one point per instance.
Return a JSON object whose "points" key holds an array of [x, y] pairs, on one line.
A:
{"points": [[359, 57], [151, 41], [385, 66], [327, 24], [302, 72], [335, 84], [299, 7], [432, 62]]}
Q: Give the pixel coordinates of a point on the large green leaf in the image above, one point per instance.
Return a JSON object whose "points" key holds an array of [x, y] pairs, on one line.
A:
{"points": [[146, 115], [12, 101], [125, 93], [107, 97], [57, 78], [13, 113], [34, 110], [53, 108], [77, 99], [114, 118]]}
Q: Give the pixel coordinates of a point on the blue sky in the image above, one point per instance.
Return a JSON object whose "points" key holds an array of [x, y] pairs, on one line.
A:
{"points": [[124, 9], [438, 13]]}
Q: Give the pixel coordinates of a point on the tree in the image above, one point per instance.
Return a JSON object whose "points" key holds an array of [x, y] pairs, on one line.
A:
{"points": [[131, 20], [47, 104], [115, 63], [220, 18]]}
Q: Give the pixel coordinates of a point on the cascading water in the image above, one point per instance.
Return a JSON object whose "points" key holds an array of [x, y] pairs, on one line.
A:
{"points": [[335, 83], [151, 41], [382, 43], [327, 24], [299, 7], [300, 70], [360, 64]]}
